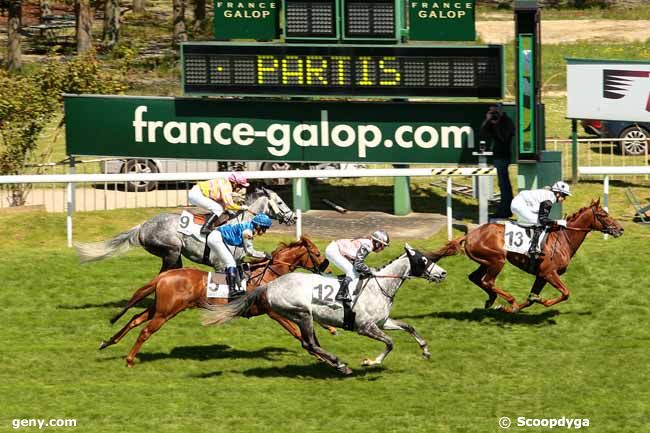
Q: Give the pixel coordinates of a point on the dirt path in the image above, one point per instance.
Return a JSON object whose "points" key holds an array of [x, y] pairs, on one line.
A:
{"points": [[559, 31]]}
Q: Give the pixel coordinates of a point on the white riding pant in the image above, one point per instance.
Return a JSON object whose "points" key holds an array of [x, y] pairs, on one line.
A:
{"points": [[526, 216], [216, 244], [196, 197], [334, 256]]}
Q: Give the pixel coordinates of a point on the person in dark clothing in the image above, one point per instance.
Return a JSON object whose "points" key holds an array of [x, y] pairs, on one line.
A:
{"points": [[498, 131]]}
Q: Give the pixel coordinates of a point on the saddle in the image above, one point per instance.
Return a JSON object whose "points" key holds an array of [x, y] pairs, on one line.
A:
{"points": [[199, 218]]}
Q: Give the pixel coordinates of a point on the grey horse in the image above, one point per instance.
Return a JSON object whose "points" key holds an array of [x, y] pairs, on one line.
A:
{"points": [[305, 298], [160, 236]]}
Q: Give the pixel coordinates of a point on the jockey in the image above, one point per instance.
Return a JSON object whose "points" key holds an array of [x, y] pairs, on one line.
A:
{"points": [[533, 208], [349, 255], [216, 195], [238, 235]]}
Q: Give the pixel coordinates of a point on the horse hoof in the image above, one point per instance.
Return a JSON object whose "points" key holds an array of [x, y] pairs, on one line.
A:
{"points": [[103, 345], [426, 355], [344, 369], [366, 362], [515, 310], [490, 302]]}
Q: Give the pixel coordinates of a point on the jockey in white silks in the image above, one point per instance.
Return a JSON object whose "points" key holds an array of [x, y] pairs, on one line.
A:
{"points": [[238, 235], [216, 195], [533, 207], [349, 254]]}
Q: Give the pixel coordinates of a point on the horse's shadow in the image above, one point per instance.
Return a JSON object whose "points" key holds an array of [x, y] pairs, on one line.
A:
{"points": [[145, 303], [480, 315], [211, 352], [313, 370]]}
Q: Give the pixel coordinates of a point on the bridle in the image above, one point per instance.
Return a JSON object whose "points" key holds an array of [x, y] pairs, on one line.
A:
{"points": [[606, 228], [292, 266]]}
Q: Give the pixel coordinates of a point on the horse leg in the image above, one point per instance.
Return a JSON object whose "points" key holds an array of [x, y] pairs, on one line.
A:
{"points": [[286, 324], [398, 325], [148, 330], [490, 280], [135, 321], [371, 330], [309, 343], [554, 280], [533, 296], [476, 277], [173, 260]]}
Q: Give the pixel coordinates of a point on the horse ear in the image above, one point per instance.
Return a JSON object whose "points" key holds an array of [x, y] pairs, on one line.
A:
{"points": [[597, 202], [409, 250]]}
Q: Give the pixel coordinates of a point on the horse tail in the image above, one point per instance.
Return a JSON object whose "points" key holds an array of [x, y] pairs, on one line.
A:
{"points": [[451, 248], [93, 251], [220, 314], [138, 296]]}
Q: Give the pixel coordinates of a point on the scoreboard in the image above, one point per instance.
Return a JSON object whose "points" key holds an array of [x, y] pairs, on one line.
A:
{"points": [[342, 70]]}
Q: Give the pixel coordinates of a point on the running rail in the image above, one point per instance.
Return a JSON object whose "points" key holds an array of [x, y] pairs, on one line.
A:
{"points": [[72, 179]]}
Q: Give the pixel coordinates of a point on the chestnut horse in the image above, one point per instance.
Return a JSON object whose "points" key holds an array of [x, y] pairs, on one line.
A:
{"points": [[179, 289], [485, 246]]}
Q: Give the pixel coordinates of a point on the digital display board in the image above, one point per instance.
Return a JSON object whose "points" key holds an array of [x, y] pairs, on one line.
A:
{"points": [[310, 19], [342, 70], [369, 19]]}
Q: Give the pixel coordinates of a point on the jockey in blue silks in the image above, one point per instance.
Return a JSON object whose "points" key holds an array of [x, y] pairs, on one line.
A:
{"points": [[238, 235]]}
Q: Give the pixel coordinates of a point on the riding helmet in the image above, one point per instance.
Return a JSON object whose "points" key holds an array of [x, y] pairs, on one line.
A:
{"points": [[238, 178], [380, 236], [561, 187], [262, 220]]}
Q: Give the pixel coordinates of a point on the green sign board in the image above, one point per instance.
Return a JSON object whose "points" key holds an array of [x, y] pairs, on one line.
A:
{"points": [[257, 19], [441, 20], [301, 131]]}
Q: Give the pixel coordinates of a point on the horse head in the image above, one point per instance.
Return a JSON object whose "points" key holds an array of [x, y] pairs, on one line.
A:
{"points": [[605, 223], [423, 267], [275, 207], [303, 253]]}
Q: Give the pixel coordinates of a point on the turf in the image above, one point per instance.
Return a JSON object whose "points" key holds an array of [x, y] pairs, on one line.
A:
{"points": [[586, 358]]}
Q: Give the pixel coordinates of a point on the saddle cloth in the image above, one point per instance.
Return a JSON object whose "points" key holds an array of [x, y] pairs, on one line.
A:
{"points": [[517, 238], [325, 294], [190, 225], [217, 287]]}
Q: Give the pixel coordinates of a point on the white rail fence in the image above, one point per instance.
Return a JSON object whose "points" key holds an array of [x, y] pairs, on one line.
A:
{"points": [[70, 180]]}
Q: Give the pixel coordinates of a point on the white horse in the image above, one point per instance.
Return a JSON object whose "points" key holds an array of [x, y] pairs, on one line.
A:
{"points": [[305, 298], [160, 236]]}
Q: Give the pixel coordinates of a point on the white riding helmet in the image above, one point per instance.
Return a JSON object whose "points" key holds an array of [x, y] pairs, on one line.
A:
{"points": [[380, 236], [561, 187]]}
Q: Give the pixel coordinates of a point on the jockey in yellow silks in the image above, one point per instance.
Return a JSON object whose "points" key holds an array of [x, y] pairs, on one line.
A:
{"points": [[217, 196]]}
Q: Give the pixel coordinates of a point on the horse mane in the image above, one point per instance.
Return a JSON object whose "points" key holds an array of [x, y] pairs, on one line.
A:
{"points": [[576, 214], [283, 245], [386, 264]]}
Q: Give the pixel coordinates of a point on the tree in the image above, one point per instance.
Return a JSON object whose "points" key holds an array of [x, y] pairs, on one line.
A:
{"points": [[29, 102], [14, 52], [111, 23], [84, 26], [199, 15], [180, 30], [139, 6]]}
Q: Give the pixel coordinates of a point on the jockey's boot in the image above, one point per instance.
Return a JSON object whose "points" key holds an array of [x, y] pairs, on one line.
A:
{"points": [[232, 280], [205, 228], [534, 252], [343, 294]]}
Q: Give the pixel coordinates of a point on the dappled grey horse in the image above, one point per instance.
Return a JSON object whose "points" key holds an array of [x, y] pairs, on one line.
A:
{"points": [[303, 298], [160, 236]]}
